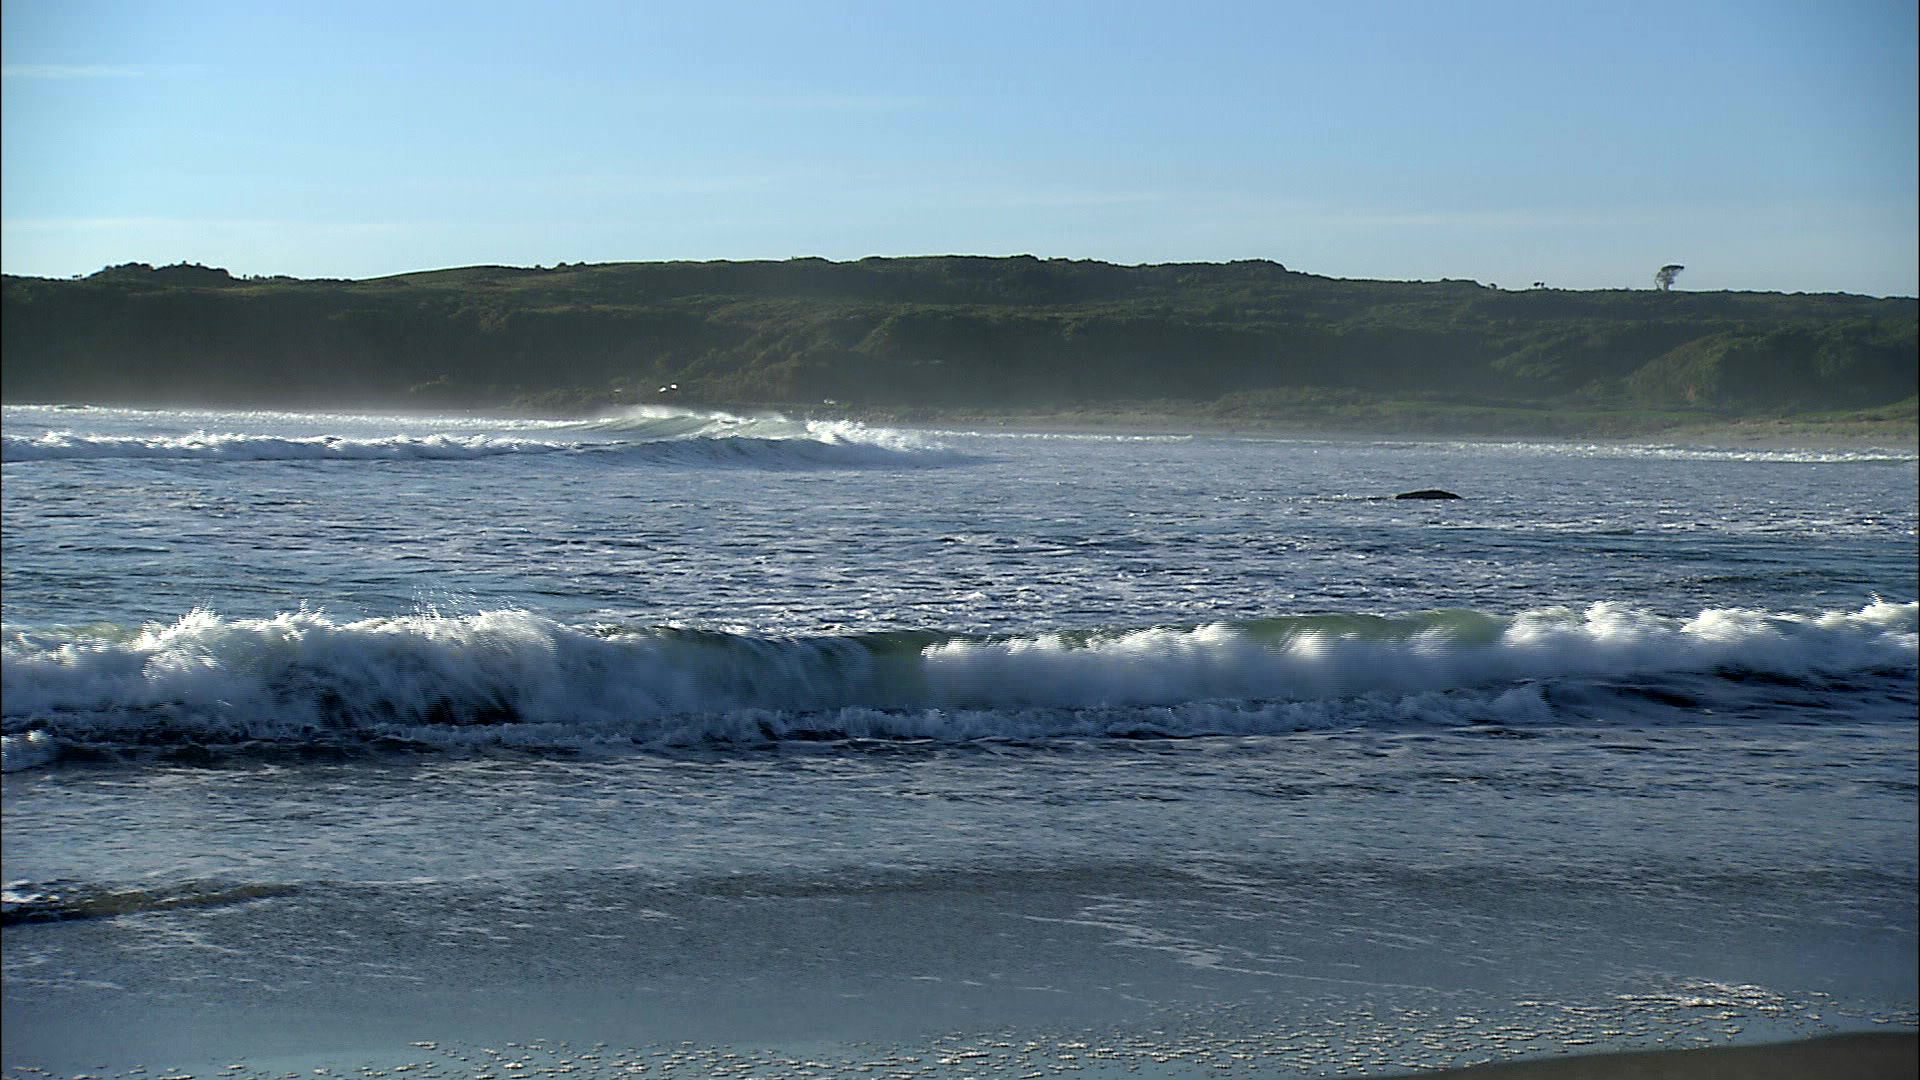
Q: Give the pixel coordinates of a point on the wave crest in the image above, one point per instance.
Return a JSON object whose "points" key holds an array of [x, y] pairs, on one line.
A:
{"points": [[652, 435], [512, 678]]}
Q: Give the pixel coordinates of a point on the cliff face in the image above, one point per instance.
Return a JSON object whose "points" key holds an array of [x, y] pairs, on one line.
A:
{"points": [[956, 332]]}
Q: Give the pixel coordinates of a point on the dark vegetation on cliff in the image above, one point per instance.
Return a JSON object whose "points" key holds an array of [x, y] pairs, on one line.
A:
{"points": [[924, 336]]}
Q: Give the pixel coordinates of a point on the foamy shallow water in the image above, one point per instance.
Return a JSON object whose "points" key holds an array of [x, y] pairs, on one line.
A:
{"points": [[1316, 901], [693, 735]]}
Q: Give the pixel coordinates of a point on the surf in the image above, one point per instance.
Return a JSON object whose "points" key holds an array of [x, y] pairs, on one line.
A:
{"points": [[516, 679], [647, 435]]}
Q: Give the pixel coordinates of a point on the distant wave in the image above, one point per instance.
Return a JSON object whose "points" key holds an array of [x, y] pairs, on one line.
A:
{"points": [[205, 446], [663, 436], [1677, 452], [516, 679], [47, 415]]}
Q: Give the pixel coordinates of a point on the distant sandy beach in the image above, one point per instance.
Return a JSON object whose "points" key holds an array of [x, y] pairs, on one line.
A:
{"points": [[1896, 435]]}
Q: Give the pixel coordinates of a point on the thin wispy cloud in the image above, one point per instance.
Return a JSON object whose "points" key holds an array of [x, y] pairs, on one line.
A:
{"points": [[90, 71], [105, 224], [797, 102], [1474, 219], [1045, 200], [631, 184]]}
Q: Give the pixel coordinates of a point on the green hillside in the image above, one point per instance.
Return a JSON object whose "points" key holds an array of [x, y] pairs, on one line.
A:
{"points": [[1241, 341]]}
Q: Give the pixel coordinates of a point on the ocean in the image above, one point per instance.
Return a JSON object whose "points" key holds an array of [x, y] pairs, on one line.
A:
{"points": [[680, 742]]}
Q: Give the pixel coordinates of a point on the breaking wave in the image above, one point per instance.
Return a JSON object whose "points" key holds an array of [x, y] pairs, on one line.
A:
{"points": [[514, 679], [233, 446], [653, 435]]}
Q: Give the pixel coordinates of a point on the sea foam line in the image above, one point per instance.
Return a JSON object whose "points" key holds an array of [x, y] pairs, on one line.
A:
{"points": [[512, 676], [818, 444], [234, 446]]}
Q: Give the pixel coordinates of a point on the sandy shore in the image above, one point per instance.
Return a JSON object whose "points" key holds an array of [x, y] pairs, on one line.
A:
{"points": [[1855, 1056], [1895, 436], [1730, 438]]}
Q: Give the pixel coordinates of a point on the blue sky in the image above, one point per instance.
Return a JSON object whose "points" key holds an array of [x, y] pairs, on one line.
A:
{"points": [[1764, 144]]}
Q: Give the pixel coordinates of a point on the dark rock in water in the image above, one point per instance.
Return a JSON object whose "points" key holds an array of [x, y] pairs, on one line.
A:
{"points": [[1427, 493]]}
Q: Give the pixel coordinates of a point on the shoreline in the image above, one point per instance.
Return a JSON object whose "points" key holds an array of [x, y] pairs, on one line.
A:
{"points": [[1859, 1055], [1756, 435], [1894, 435]]}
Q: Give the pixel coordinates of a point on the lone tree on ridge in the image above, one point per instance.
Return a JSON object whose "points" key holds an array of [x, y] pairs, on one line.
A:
{"points": [[1664, 276]]}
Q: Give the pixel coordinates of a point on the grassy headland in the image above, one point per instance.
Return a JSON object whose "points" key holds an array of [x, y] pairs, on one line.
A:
{"points": [[1244, 346]]}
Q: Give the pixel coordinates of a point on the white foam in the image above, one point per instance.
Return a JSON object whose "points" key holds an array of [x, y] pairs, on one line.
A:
{"points": [[1160, 666], [237, 446], [1681, 452], [27, 750], [514, 678], [666, 436]]}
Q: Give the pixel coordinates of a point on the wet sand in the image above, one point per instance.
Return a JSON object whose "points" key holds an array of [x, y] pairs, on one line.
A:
{"points": [[1855, 1056], [1127, 970]]}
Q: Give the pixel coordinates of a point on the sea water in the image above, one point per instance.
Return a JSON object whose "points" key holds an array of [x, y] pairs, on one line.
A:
{"points": [[781, 746]]}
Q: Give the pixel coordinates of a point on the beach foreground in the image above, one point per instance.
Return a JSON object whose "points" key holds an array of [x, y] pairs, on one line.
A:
{"points": [[1174, 969], [671, 744], [1861, 1057], [1854, 1055]]}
